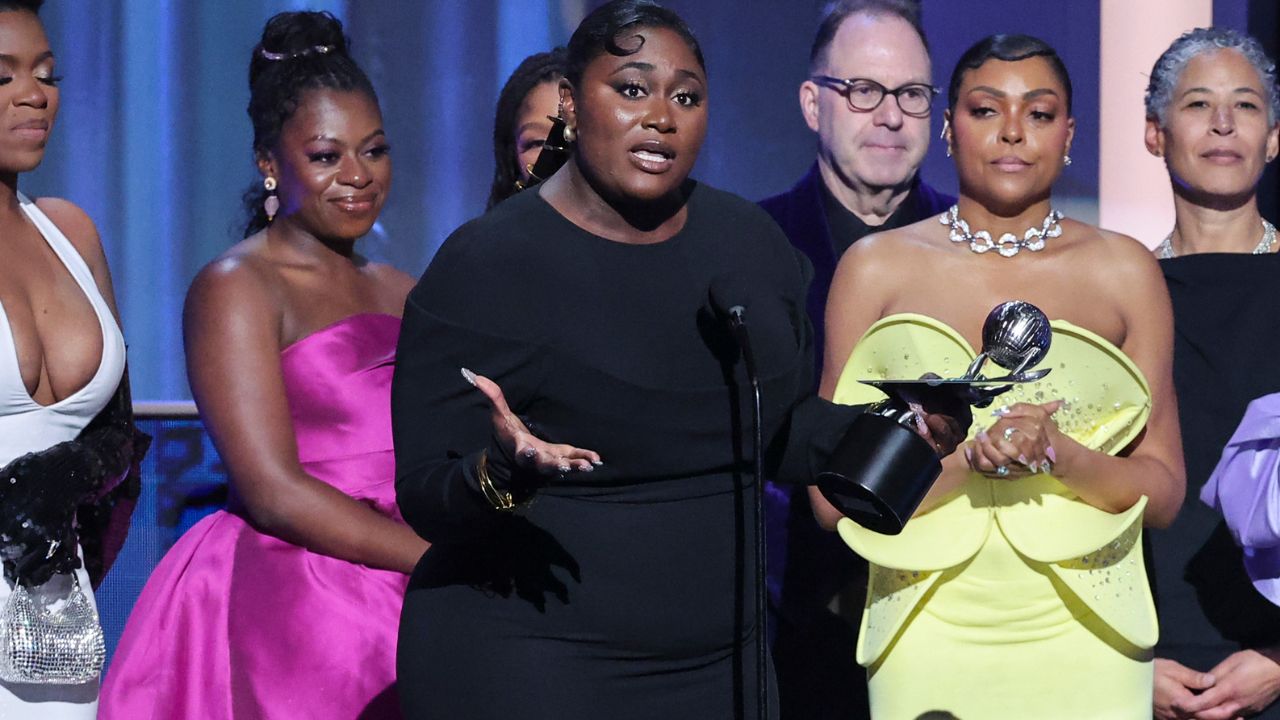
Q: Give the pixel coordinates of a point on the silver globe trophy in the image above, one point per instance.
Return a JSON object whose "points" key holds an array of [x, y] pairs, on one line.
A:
{"points": [[882, 469]]}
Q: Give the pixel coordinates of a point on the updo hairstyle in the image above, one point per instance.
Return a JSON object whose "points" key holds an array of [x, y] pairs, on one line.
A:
{"points": [[299, 52]]}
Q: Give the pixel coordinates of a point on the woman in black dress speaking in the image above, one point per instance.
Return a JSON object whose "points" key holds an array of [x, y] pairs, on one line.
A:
{"points": [[609, 578]]}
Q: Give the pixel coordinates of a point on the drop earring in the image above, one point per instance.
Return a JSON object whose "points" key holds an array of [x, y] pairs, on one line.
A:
{"points": [[271, 205], [1066, 160], [570, 135]]}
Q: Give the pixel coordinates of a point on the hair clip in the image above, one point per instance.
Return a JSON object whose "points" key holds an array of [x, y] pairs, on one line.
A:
{"points": [[314, 49]]}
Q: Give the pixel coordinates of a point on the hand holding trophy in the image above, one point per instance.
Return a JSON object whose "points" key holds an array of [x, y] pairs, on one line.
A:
{"points": [[882, 468]]}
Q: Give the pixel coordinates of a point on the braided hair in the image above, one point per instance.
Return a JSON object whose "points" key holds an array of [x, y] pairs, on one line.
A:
{"points": [[299, 52]]}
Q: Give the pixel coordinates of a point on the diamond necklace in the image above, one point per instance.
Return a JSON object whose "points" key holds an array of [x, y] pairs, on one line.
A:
{"points": [[1009, 244], [1164, 251]]}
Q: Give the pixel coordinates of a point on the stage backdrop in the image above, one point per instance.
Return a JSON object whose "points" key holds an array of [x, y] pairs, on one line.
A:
{"points": [[153, 139]]}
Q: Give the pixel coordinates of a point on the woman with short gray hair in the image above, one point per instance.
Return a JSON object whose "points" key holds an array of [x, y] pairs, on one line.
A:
{"points": [[1212, 108]]}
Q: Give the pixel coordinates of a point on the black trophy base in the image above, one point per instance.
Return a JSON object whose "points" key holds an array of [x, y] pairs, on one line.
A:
{"points": [[879, 473]]}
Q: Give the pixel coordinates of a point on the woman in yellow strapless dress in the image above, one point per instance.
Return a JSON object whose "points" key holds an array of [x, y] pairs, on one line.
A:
{"points": [[1018, 588]]}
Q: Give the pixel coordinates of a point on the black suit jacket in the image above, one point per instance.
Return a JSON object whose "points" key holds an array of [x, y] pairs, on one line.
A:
{"points": [[802, 215]]}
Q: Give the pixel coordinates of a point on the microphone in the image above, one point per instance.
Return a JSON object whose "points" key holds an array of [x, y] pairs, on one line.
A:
{"points": [[729, 295]]}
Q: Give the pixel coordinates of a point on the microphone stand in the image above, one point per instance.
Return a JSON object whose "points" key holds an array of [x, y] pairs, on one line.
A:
{"points": [[739, 327]]}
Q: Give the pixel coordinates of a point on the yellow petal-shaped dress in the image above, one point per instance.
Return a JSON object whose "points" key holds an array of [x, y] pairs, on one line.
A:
{"points": [[1013, 599]]}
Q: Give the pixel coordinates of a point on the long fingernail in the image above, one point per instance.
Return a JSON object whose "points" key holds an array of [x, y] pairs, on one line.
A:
{"points": [[920, 426], [982, 435], [968, 454], [1022, 460], [597, 463], [1053, 456], [587, 468], [564, 468], [468, 376]]}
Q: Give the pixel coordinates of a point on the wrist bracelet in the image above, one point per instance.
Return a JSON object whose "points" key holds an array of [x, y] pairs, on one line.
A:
{"points": [[501, 500]]}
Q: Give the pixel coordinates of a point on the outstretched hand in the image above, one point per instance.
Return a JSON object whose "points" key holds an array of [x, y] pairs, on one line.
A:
{"points": [[529, 451]]}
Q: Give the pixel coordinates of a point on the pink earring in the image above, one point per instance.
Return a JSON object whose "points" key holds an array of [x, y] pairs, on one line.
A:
{"points": [[272, 204]]}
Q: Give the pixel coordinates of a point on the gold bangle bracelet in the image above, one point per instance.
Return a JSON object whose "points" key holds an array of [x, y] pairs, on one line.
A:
{"points": [[501, 500]]}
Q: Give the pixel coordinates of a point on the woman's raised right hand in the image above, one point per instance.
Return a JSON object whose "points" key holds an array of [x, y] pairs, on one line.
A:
{"points": [[529, 451]]}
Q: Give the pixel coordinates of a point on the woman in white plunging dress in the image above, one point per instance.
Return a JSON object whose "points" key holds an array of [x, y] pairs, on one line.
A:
{"points": [[62, 355]]}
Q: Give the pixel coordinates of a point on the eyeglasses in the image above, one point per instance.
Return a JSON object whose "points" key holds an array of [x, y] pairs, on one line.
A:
{"points": [[914, 99]]}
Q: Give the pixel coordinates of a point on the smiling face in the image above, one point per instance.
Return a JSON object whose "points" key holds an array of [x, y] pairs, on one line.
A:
{"points": [[640, 118], [880, 148], [1217, 138], [28, 91], [533, 124], [1009, 132], [332, 164]]}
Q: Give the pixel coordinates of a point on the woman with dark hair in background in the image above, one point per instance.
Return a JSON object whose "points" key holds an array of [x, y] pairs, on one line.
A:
{"points": [[68, 450], [610, 577], [1212, 111], [286, 604], [1017, 589], [523, 120]]}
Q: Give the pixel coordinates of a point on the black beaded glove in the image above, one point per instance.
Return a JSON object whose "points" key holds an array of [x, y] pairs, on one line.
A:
{"points": [[41, 492]]}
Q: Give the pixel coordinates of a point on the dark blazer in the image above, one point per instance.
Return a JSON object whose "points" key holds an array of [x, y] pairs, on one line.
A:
{"points": [[818, 678], [801, 214]]}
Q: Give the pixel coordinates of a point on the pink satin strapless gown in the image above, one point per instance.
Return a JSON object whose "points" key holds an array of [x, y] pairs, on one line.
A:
{"points": [[237, 624]]}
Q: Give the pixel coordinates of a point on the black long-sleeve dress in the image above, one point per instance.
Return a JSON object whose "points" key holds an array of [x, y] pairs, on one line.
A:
{"points": [[1226, 343], [626, 592]]}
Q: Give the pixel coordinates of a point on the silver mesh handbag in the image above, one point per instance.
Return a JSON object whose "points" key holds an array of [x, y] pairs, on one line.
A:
{"points": [[50, 641]]}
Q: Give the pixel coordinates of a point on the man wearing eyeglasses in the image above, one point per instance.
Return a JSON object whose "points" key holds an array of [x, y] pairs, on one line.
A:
{"points": [[868, 96]]}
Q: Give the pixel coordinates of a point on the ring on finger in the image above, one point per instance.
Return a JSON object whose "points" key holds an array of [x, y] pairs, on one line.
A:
{"points": [[1002, 470], [1008, 432]]}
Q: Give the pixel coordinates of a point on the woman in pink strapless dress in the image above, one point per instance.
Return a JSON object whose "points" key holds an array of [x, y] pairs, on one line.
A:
{"points": [[287, 604], [237, 623]]}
